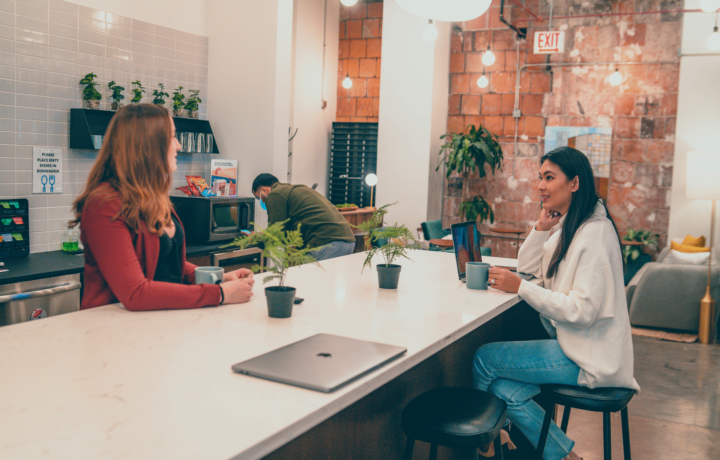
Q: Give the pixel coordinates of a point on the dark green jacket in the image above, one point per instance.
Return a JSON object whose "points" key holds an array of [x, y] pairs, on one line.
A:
{"points": [[321, 222]]}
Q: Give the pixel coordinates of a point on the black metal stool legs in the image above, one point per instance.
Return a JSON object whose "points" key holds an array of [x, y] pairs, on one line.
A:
{"points": [[607, 439], [498, 448], [409, 446], [433, 451], [626, 433], [544, 434], [566, 419]]}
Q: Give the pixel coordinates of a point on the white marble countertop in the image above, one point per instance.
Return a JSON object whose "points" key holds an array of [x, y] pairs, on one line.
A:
{"points": [[107, 383]]}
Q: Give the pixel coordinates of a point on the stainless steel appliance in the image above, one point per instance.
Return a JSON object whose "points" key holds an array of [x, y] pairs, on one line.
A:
{"points": [[38, 299], [211, 219]]}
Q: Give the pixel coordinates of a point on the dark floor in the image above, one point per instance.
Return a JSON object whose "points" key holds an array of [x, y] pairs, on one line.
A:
{"points": [[677, 413]]}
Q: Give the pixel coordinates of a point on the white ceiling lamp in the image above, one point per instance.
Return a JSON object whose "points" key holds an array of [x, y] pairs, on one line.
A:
{"points": [[348, 2], [615, 78], [709, 6], [483, 81], [488, 58], [430, 32], [446, 10], [713, 41], [347, 83]]}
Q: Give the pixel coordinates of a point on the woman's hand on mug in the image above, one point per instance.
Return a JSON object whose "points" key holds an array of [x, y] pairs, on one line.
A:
{"points": [[238, 291], [547, 220], [240, 273], [504, 280]]}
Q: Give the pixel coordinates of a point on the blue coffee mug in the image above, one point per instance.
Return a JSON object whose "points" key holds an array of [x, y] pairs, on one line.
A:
{"points": [[476, 275], [209, 275]]}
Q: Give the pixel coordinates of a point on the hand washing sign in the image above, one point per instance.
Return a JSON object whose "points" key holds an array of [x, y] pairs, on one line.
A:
{"points": [[47, 170], [549, 42]]}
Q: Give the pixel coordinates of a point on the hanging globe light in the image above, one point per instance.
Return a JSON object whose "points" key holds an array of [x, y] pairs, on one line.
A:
{"points": [[488, 58], [446, 10], [430, 32], [709, 6], [348, 2], [615, 78], [483, 81], [347, 83], [713, 41]]}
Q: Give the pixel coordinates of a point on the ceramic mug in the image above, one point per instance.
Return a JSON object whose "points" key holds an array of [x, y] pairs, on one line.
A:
{"points": [[209, 275], [476, 275]]}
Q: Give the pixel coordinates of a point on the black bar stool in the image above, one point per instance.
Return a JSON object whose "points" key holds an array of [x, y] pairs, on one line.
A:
{"points": [[605, 400], [454, 417]]}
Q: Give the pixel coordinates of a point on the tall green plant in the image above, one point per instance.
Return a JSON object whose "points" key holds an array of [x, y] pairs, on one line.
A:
{"points": [[466, 153], [138, 92], [159, 95], [89, 92], [193, 101], [392, 236], [282, 247], [642, 236]]}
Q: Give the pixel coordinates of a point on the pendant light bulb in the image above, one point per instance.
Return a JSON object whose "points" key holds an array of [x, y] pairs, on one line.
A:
{"points": [[347, 83], [488, 58], [483, 81], [430, 32], [616, 78], [709, 6], [348, 2], [713, 41]]}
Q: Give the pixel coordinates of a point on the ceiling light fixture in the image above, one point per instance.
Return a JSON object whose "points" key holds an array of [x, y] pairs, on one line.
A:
{"points": [[713, 41], [347, 83], [709, 6], [430, 32], [616, 78], [348, 2], [483, 81], [488, 58], [446, 10]]}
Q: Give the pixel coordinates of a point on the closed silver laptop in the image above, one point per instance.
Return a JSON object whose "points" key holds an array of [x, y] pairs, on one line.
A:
{"points": [[322, 362]]}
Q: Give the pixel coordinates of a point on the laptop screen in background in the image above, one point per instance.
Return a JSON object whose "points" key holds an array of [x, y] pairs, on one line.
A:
{"points": [[466, 240]]}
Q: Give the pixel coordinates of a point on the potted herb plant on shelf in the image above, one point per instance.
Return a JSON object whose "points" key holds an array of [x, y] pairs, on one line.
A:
{"points": [[466, 153], [178, 102], [283, 248], [391, 242], [193, 104], [138, 92], [159, 95], [634, 255], [117, 96], [91, 95]]}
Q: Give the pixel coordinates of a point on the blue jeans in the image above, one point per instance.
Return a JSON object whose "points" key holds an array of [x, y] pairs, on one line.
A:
{"points": [[333, 249], [513, 371]]}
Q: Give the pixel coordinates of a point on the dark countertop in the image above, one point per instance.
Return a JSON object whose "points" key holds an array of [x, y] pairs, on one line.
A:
{"points": [[41, 265]]}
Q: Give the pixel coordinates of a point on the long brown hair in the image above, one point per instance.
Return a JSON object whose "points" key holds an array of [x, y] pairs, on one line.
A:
{"points": [[133, 160]]}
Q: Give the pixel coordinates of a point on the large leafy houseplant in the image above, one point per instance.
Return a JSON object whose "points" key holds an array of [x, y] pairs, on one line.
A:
{"points": [[633, 252], [466, 153]]}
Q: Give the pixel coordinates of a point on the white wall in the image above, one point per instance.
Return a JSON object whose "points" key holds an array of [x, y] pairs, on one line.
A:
{"points": [[698, 122], [249, 85], [186, 15], [311, 146], [405, 123]]}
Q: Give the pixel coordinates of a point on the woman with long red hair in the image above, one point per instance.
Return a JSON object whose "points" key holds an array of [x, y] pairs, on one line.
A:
{"points": [[134, 241]]}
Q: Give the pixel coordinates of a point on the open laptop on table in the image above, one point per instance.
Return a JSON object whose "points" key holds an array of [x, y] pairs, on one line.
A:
{"points": [[322, 362]]}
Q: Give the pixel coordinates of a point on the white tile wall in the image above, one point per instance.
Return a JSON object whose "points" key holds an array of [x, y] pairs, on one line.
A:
{"points": [[46, 47]]}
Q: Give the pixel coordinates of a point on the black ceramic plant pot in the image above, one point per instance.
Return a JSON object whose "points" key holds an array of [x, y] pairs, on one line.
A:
{"points": [[280, 301], [388, 276]]}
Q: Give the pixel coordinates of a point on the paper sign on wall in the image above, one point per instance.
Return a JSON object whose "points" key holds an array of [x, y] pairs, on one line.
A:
{"points": [[225, 172], [549, 42], [47, 170]]}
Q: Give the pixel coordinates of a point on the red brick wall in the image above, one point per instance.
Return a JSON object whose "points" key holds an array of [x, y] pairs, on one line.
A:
{"points": [[360, 46], [643, 136]]}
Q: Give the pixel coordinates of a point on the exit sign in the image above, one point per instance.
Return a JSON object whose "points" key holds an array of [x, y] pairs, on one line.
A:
{"points": [[549, 42]]}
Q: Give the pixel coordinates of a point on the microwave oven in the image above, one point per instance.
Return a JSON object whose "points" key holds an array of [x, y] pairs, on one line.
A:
{"points": [[210, 219]]}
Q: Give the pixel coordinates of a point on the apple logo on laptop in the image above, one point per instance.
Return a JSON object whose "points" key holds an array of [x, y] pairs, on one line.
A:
{"points": [[325, 355]]}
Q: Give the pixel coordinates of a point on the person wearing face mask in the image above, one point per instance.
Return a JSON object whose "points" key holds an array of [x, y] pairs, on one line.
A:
{"points": [[321, 224]]}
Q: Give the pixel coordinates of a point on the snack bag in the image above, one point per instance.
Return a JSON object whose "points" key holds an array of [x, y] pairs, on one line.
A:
{"points": [[187, 190], [195, 191], [200, 185]]}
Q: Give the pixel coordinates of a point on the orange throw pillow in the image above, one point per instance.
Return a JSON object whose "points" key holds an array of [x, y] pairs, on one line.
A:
{"points": [[692, 241], [686, 248]]}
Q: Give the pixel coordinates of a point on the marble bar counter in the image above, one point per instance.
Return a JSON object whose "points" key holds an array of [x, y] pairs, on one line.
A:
{"points": [[107, 383]]}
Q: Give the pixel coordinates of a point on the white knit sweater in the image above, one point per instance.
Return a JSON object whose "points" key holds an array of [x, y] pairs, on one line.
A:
{"points": [[585, 300]]}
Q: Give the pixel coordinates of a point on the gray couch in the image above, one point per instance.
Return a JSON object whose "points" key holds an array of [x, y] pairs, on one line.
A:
{"points": [[668, 296]]}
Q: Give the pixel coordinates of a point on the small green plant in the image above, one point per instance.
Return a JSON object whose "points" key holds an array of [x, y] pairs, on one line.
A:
{"points": [[117, 96], [193, 101], [90, 93], [630, 252], [138, 92], [466, 153], [393, 236], [178, 99], [282, 247], [159, 95]]}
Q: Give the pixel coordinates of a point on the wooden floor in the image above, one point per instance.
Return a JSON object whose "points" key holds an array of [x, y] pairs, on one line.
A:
{"points": [[677, 414]]}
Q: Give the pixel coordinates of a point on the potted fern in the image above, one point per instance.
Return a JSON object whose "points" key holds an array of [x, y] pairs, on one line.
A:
{"points": [[159, 95], [391, 242], [634, 255], [283, 248], [91, 96], [193, 103], [466, 153], [178, 102], [117, 96], [138, 92]]}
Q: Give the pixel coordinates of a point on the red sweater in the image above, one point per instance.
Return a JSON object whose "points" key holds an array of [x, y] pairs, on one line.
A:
{"points": [[120, 264]]}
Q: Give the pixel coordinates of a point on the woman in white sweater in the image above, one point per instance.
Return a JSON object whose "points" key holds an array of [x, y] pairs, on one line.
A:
{"points": [[574, 249]]}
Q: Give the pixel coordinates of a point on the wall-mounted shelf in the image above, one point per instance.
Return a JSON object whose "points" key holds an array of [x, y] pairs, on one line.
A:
{"points": [[85, 123]]}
